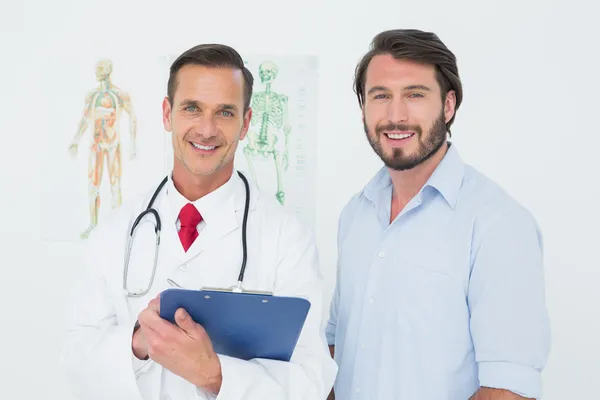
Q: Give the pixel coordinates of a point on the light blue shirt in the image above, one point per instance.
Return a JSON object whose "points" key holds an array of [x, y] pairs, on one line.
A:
{"points": [[447, 298]]}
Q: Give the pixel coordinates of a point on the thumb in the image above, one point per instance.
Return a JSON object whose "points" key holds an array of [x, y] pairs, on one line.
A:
{"points": [[183, 319]]}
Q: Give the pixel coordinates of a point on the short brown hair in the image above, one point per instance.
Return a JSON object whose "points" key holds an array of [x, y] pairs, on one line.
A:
{"points": [[211, 55], [418, 46]]}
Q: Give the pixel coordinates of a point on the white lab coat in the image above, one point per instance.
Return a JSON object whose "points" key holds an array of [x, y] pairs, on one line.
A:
{"points": [[282, 258]]}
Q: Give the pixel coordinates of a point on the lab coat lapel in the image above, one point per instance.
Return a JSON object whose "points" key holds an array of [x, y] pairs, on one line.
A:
{"points": [[171, 249]]}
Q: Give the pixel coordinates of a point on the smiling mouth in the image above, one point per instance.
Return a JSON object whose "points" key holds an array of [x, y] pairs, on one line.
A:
{"points": [[202, 147], [399, 136]]}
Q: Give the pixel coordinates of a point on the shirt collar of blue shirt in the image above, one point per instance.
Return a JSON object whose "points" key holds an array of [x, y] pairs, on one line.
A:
{"points": [[446, 179]]}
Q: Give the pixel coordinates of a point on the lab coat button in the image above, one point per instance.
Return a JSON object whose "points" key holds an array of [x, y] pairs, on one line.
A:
{"points": [[381, 254], [183, 268]]}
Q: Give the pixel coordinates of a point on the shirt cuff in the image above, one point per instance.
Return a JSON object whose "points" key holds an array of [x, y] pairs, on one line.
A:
{"points": [[330, 334], [519, 379]]}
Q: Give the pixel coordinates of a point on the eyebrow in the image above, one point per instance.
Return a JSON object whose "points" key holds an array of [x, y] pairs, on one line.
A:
{"points": [[377, 89], [417, 87], [410, 87], [227, 107]]}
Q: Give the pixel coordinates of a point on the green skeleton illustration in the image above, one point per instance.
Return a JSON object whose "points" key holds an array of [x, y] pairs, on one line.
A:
{"points": [[270, 115]]}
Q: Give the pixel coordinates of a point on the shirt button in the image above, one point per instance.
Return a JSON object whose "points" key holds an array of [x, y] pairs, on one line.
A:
{"points": [[357, 390], [371, 300], [363, 346], [381, 254]]}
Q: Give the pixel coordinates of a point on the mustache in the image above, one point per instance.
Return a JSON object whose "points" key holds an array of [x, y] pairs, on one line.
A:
{"points": [[390, 127]]}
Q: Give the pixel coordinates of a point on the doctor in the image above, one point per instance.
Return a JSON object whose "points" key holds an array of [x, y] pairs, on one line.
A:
{"points": [[117, 346]]}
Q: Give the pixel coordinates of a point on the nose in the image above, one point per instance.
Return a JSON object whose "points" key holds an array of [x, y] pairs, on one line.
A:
{"points": [[207, 126], [397, 110]]}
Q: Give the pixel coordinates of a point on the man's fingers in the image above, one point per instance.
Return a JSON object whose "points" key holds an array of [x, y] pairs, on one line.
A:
{"points": [[150, 319], [163, 336], [185, 322], [155, 304], [154, 342]]}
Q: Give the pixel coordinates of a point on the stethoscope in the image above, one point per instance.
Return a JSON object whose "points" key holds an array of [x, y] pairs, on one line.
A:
{"points": [[157, 230]]}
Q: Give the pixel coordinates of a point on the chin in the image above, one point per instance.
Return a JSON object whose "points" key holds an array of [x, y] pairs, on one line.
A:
{"points": [[202, 171]]}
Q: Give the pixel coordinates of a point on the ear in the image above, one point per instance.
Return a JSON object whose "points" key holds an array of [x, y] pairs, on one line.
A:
{"points": [[246, 125], [166, 108], [449, 105]]}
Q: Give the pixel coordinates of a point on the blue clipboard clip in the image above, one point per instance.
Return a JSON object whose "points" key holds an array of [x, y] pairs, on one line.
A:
{"points": [[245, 325], [233, 289]]}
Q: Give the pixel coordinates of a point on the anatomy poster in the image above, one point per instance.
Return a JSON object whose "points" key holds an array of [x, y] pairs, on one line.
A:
{"points": [[106, 143], [279, 151]]}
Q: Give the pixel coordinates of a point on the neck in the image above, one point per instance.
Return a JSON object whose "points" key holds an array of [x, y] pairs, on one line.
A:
{"points": [[407, 183], [105, 84], [193, 187]]}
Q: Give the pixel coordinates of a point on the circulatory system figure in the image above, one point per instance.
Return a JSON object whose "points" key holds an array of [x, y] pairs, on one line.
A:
{"points": [[103, 109]]}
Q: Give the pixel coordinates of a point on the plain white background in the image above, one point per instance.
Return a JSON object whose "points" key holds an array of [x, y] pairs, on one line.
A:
{"points": [[529, 120]]}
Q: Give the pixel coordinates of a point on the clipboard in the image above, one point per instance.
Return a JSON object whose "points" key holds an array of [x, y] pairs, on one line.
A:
{"points": [[242, 325]]}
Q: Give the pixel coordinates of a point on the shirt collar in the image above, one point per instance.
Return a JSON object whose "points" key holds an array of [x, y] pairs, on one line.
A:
{"points": [[446, 179], [209, 205]]}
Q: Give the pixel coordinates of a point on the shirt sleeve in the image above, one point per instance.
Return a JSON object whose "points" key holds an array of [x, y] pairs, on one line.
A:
{"points": [[97, 356], [345, 216], [330, 330], [311, 371], [509, 322]]}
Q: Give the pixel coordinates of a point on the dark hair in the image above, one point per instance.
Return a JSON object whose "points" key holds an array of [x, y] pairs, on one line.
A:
{"points": [[211, 55], [418, 46]]}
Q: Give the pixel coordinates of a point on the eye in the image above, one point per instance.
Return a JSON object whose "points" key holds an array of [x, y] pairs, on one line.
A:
{"points": [[380, 96], [227, 113], [191, 108], [416, 95]]}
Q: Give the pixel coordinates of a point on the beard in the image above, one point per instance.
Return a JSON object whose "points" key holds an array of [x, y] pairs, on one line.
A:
{"points": [[400, 159]]}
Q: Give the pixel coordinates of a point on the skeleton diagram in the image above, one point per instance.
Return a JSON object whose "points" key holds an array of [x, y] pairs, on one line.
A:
{"points": [[270, 113], [103, 108]]}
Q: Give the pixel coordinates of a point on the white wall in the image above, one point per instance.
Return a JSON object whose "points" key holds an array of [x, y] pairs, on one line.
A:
{"points": [[529, 121]]}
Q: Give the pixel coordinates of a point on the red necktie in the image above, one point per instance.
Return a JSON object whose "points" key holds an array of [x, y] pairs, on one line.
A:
{"points": [[189, 217]]}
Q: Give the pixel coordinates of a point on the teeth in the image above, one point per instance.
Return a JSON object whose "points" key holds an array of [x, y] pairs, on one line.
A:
{"points": [[198, 146], [399, 135]]}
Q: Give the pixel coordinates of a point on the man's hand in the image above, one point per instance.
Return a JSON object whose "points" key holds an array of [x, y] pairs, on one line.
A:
{"points": [[139, 344], [495, 394], [73, 149], [185, 348]]}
